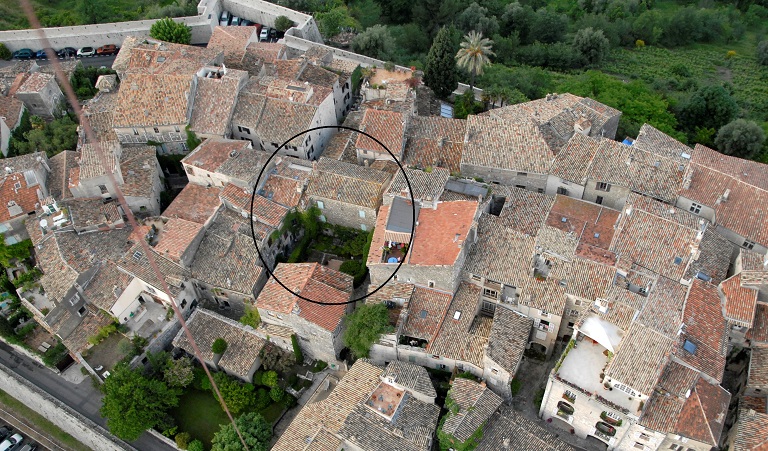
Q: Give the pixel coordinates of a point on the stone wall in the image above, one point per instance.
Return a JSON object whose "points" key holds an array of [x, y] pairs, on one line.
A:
{"points": [[81, 428], [615, 198], [297, 42], [529, 181], [347, 215]]}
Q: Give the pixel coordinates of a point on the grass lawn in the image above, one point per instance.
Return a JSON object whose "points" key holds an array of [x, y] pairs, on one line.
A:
{"points": [[200, 414], [12, 404]]}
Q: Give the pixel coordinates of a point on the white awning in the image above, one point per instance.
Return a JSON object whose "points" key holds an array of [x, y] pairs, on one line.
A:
{"points": [[602, 332]]}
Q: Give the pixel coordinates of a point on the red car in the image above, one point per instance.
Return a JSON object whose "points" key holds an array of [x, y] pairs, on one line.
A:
{"points": [[109, 49]]}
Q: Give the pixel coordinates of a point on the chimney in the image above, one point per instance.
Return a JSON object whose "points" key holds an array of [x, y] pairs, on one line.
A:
{"points": [[482, 384], [726, 194], [314, 166]]}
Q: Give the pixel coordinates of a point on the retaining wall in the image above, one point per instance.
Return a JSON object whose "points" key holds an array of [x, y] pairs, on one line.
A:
{"points": [[75, 424]]}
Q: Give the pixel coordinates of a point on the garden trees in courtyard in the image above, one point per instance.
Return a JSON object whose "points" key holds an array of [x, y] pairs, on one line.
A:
{"points": [[255, 430], [364, 326], [171, 31]]}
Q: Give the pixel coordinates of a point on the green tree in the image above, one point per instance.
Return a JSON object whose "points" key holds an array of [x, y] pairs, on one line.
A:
{"points": [[740, 138], [52, 138], [133, 403], [591, 44], [269, 379], [476, 18], [709, 107], [366, 12], [332, 22], [237, 396], [255, 430], [182, 440], [474, 55], [91, 11], [219, 346], [179, 373], [364, 326], [547, 26], [283, 23], [465, 105], [277, 394], [762, 53], [171, 31], [196, 445], [5, 54], [440, 70], [251, 317], [375, 42]]}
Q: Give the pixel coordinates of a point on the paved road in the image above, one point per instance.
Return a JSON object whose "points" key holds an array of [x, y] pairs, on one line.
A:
{"points": [[82, 397], [96, 61]]}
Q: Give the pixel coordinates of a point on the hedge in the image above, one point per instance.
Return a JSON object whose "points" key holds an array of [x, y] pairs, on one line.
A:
{"points": [[297, 350]]}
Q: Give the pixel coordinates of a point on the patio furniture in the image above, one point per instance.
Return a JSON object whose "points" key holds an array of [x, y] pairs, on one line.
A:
{"points": [[45, 345], [42, 348], [99, 368]]}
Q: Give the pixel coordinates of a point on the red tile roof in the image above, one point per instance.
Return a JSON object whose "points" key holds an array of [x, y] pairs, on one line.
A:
{"points": [[426, 310], [264, 210], [213, 153], [24, 197], [740, 301], [386, 126], [703, 413], [195, 203], [705, 327], [441, 233], [175, 238], [759, 331]]}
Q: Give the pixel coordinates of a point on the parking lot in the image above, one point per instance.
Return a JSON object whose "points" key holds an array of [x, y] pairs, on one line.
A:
{"points": [[11, 426]]}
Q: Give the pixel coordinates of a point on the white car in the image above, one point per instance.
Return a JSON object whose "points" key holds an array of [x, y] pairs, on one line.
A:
{"points": [[86, 51], [264, 34], [11, 442]]}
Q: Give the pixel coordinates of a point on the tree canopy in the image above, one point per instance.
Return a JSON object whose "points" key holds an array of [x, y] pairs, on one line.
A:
{"points": [[283, 23], [709, 107], [440, 70], [133, 403], [740, 138], [364, 326], [169, 30], [375, 42], [256, 432], [591, 45], [474, 54], [51, 138], [219, 346], [178, 373]]}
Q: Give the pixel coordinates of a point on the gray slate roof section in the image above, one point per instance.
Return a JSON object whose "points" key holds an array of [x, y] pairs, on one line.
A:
{"points": [[509, 336], [413, 377], [401, 216], [476, 405], [508, 431]]}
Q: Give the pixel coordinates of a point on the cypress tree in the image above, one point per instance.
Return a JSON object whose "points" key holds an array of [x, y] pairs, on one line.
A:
{"points": [[440, 71]]}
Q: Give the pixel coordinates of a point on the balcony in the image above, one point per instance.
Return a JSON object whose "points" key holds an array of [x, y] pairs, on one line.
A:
{"points": [[611, 419], [604, 437], [394, 253], [605, 428], [565, 411]]}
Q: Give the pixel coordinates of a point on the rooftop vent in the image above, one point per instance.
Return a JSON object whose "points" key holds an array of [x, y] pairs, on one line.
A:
{"points": [[564, 219], [597, 235], [690, 347]]}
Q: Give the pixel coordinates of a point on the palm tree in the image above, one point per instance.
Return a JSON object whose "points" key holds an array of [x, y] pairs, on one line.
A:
{"points": [[473, 54]]}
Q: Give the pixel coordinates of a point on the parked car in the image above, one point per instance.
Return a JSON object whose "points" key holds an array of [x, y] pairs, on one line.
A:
{"points": [[224, 19], [23, 54], [29, 447], [272, 34], [86, 51], [235, 21], [41, 54], [67, 52], [5, 431], [264, 35], [11, 442], [109, 49], [258, 28]]}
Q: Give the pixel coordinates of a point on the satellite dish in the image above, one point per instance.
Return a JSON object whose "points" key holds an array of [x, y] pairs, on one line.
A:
{"points": [[43, 223]]}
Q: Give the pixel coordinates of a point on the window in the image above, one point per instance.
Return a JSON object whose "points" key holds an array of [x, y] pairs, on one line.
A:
{"points": [[520, 186], [490, 293], [522, 174], [570, 325], [695, 208], [135, 132], [320, 205], [676, 447], [363, 227], [540, 190], [639, 445], [563, 191], [412, 358], [245, 130], [644, 436], [176, 129], [431, 283], [103, 189], [157, 130], [748, 244], [602, 186], [361, 213], [184, 147], [569, 396], [599, 200], [183, 303], [573, 312]]}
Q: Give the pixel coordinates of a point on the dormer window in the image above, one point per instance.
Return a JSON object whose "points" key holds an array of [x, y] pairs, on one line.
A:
{"points": [[457, 315]]}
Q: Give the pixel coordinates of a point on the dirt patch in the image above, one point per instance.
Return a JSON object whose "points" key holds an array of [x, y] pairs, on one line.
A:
{"points": [[724, 74], [383, 76]]}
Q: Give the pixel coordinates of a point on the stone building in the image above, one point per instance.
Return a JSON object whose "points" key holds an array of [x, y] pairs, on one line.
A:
{"points": [[41, 95]]}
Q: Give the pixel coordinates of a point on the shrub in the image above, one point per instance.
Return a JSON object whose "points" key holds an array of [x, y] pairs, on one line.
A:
{"points": [[262, 399], [192, 140], [762, 53], [171, 31], [269, 379], [257, 377], [251, 317], [297, 350], [320, 365], [219, 346], [730, 54], [200, 379], [276, 393], [196, 445], [639, 43], [289, 401], [283, 23], [4, 52], [182, 440], [515, 386]]}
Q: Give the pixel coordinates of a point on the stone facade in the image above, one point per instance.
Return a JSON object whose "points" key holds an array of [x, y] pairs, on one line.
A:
{"points": [[344, 214], [525, 180], [615, 198]]}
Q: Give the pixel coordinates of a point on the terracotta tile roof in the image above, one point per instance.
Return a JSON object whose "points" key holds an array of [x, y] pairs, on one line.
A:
{"points": [[175, 238], [547, 295], [500, 254], [506, 145], [100, 112], [347, 183], [441, 233], [58, 276], [264, 210], [243, 344], [317, 421], [61, 164], [393, 291], [678, 379], [214, 102], [747, 171], [144, 55], [267, 52], [227, 257], [82, 251], [426, 310], [312, 281], [703, 414], [750, 431], [508, 338], [425, 186], [663, 309], [341, 145], [706, 328], [758, 367], [91, 212], [285, 191], [573, 161], [213, 153], [10, 109], [659, 244], [759, 331], [413, 377], [17, 197], [92, 322], [524, 211], [609, 164], [714, 257], [232, 41], [740, 301], [476, 404], [91, 164], [387, 127], [435, 142], [758, 404], [36, 82], [654, 141], [147, 100], [640, 358], [106, 286], [195, 203], [140, 169], [318, 76], [454, 340], [654, 176], [585, 279], [510, 430], [273, 120]]}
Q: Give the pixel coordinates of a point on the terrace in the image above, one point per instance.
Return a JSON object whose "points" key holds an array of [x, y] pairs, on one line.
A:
{"points": [[385, 399]]}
